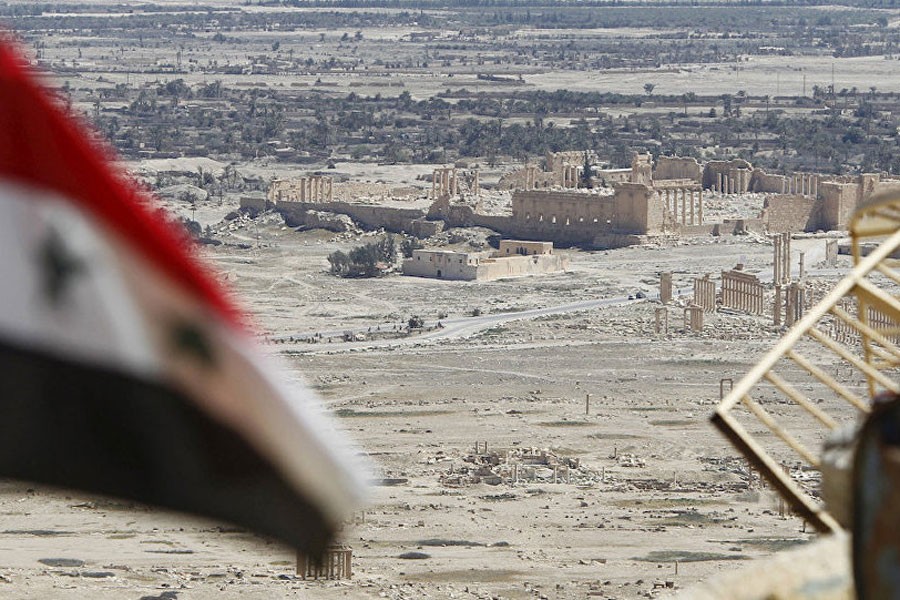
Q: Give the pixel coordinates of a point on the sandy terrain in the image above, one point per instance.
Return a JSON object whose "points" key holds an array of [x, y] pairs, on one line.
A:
{"points": [[654, 486]]}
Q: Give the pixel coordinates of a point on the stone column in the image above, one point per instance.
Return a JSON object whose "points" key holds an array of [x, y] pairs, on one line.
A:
{"points": [[789, 311], [665, 287], [661, 315], [476, 184], [303, 189], [700, 205], [691, 193], [330, 189], [802, 266], [683, 207], [776, 308]]}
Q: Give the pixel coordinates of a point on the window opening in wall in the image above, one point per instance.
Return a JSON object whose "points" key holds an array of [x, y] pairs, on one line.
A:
{"points": [[567, 221], [439, 273], [541, 218], [596, 220], [581, 219], [553, 219]]}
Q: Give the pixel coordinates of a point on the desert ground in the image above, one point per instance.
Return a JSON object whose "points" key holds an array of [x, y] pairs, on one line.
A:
{"points": [[545, 442], [645, 491]]}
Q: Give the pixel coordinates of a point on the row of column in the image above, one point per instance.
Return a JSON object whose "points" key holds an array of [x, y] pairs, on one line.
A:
{"points": [[735, 181], [691, 212], [742, 294], [705, 293], [335, 564], [444, 182], [570, 175], [801, 183], [316, 188]]}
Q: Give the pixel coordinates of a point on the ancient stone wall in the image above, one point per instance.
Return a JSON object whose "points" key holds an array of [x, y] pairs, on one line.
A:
{"points": [[763, 182], [673, 167], [556, 160], [527, 178], [838, 203], [255, 204], [642, 169], [791, 212], [562, 217], [369, 216], [637, 210]]}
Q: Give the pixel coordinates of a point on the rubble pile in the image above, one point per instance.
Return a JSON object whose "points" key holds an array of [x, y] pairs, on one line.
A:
{"points": [[519, 465]]}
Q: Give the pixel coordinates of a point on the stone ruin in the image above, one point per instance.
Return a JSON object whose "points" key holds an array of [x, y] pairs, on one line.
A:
{"points": [[315, 188], [693, 318], [743, 291], [335, 564], [665, 287], [516, 465], [705, 293], [782, 259]]}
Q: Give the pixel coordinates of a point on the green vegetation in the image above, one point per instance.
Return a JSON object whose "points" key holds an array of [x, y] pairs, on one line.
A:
{"points": [[367, 260]]}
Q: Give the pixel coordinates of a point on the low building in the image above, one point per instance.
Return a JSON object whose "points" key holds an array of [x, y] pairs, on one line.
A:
{"points": [[513, 259]]}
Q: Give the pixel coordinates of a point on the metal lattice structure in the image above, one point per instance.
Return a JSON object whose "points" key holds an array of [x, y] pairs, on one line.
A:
{"points": [[825, 369]]}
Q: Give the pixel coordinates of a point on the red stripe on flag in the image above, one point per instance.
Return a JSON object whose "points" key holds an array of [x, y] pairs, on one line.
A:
{"points": [[41, 146]]}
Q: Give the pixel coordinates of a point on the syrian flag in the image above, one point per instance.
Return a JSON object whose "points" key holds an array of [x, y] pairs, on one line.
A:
{"points": [[124, 369]]}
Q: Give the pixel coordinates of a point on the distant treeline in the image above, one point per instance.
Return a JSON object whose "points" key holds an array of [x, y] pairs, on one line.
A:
{"points": [[751, 15], [437, 4]]}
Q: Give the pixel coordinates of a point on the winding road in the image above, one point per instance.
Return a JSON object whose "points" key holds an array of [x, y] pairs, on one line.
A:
{"points": [[458, 327]]}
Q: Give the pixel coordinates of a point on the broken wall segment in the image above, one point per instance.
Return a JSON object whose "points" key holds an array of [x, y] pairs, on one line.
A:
{"points": [[642, 169], [789, 213], [673, 167], [396, 220]]}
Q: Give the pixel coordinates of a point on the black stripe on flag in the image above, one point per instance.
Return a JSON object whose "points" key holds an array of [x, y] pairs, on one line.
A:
{"points": [[86, 427]]}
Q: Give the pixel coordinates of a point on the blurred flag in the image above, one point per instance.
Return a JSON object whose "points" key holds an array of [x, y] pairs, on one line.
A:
{"points": [[124, 369]]}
